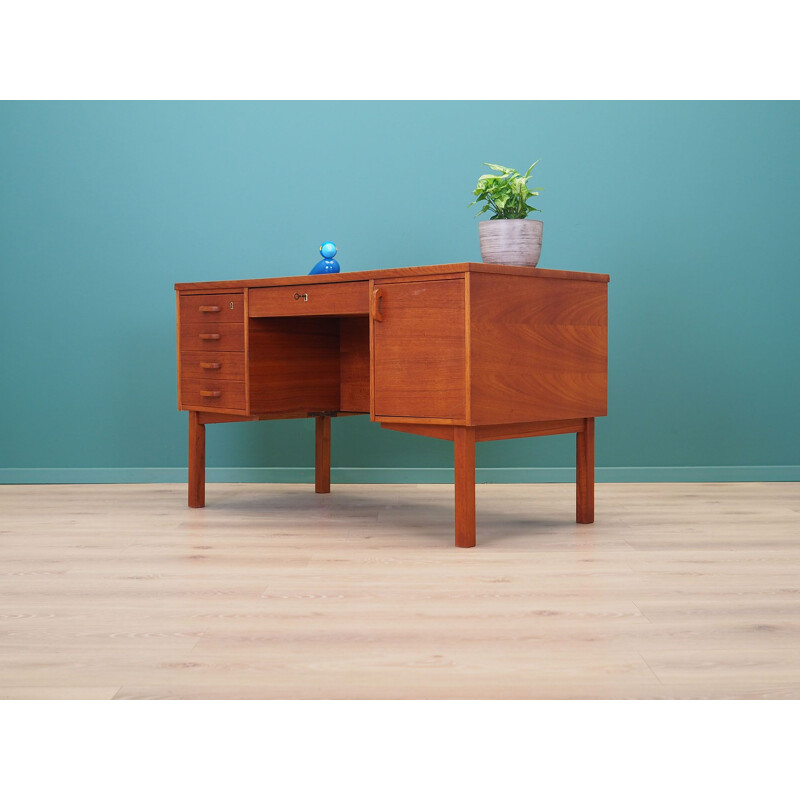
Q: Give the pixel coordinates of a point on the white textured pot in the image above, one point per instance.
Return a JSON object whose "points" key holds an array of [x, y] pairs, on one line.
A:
{"points": [[511, 241]]}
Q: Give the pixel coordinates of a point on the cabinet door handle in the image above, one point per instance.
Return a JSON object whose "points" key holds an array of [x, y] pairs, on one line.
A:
{"points": [[210, 365], [377, 306], [210, 336], [210, 309], [209, 393]]}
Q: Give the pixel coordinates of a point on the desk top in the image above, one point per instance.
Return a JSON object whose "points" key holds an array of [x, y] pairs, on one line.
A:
{"points": [[402, 272]]}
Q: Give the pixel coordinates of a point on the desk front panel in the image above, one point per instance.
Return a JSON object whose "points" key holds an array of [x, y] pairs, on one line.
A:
{"points": [[212, 337], [211, 352], [419, 351], [301, 300], [212, 307], [204, 393], [215, 366]]}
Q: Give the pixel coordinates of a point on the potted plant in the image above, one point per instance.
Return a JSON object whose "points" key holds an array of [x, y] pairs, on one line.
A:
{"points": [[508, 237]]}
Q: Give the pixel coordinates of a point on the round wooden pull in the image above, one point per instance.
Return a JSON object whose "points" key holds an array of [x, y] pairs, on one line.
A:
{"points": [[210, 365], [210, 336], [210, 309], [209, 393]]}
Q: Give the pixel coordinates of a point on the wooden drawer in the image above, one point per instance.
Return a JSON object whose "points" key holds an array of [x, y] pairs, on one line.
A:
{"points": [[205, 393], [215, 366], [212, 307], [312, 299], [212, 336]]}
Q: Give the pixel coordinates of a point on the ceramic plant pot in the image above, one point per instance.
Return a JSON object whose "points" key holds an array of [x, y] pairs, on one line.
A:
{"points": [[511, 241]]}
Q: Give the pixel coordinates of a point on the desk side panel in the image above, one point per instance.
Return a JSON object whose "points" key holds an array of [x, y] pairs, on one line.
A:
{"points": [[539, 349], [354, 364], [178, 345]]}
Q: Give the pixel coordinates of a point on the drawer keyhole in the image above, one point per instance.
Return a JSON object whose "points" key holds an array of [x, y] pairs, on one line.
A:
{"points": [[298, 296]]}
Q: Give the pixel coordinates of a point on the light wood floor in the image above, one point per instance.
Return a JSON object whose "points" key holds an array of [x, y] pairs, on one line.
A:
{"points": [[271, 591]]}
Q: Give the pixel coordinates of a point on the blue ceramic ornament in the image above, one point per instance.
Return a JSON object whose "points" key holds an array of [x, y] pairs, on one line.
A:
{"points": [[328, 264]]}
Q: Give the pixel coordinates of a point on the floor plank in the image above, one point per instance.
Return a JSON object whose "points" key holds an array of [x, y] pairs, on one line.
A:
{"points": [[273, 591]]}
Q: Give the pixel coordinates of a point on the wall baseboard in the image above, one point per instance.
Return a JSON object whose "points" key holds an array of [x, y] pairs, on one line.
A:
{"points": [[400, 474]]}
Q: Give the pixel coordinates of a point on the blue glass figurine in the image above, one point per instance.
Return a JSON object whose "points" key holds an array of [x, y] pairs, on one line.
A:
{"points": [[328, 264]]}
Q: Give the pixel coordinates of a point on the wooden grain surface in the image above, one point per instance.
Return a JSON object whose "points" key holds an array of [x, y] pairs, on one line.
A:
{"points": [[335, 299], [584, 473], [464, 485], [228, 395], [354, 364], [677, 591], [419, 351], [518, 430], [322, 455], [293, 364], [538, 349], [194, 336], [380, 274], [216, 366], [212, 308], [197, 461]]}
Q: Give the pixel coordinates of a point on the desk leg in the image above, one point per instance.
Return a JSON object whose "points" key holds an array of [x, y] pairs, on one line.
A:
{"points": [[584, 473], [464, 441], [322, 464], [197, 461]]}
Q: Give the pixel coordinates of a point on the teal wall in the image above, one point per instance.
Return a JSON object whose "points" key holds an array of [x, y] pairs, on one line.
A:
{"points": [[692, 207]]}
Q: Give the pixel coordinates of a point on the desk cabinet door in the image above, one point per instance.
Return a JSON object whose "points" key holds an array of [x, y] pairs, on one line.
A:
{"points": [[419, 353]]}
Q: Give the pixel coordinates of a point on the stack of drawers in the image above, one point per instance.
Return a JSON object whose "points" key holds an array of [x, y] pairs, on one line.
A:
{"points": [[211, 344]]}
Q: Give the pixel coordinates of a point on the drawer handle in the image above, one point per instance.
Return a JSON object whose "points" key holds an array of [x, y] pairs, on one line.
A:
{"points": [[210, 309], [298, 296], [210, 365], [210, 393], [210, 336], [377, 305]]}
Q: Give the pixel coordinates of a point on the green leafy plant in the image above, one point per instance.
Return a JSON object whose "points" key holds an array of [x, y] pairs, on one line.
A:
{"points": [[506, 194]]}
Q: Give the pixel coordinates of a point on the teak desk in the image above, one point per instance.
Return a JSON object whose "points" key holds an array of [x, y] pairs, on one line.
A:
{"points": [[463, 352]]}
